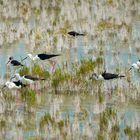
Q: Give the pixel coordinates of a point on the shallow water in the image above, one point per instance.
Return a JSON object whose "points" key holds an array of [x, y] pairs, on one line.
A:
{"points": [[118, 48]]}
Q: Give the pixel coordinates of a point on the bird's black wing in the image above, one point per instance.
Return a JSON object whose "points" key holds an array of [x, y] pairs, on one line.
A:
{"points": [[19, 83], [73, 33], [16, 63], [46, 56], [108, 76], [31, 77]]}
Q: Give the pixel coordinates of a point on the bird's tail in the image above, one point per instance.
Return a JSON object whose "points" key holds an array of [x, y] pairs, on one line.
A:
{"points": [[82, 34], [120, 76], [54, 55]]}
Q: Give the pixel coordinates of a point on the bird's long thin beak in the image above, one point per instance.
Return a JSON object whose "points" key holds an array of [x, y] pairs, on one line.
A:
{"points": [[12, 78], [8, 61], [130, 69], [3, 87], [24, 58]]}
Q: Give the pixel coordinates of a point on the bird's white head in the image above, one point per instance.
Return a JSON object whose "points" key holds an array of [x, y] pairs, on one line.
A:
{"points": [[30, 55], [95, 76], [10, 59], [135, 66], [138, 63]]}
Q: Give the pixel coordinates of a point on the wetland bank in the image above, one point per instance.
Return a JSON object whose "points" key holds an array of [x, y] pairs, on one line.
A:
{"points": [[67, 105]]}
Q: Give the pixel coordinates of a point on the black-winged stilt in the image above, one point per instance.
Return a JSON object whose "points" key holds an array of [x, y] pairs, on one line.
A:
{"points": [[106, 76], [14, 62], [135, 66], [28, 79], [73, 33], [14, 85], [41, 56]]}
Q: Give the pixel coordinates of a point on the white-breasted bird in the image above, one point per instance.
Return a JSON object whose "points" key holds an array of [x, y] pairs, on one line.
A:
{"points": [[14, 85], [135, 66], [41, 56], [138, 63], [106, 76], [27, 79], [14, 62]]}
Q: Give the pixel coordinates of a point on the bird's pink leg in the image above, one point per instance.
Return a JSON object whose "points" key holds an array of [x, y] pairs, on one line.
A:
{"points": [[53, 63]]}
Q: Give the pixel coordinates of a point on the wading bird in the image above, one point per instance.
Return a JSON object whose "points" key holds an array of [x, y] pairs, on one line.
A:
{"points": [[106, 76], [13, 85], [41, 56], [14, 62], [28, 79], [73, 33], [135, 66]]}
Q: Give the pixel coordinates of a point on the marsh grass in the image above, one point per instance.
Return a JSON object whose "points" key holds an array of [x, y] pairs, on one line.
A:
{"points": [[104, 24], [39, 71], [29, 96], [132, 133], [86, 66], [114, 132], [63, 79], [24, 71], [8, 96], [2, 124], [62, 16], [46, 120]]}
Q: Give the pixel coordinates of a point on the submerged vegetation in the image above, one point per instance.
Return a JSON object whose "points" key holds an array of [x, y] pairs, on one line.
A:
{"points": [[67, 104], [77, 82]]}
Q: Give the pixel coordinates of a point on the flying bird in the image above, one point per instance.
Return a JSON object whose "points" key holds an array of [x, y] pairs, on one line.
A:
{"points": [[73, 33], [106, 76]]}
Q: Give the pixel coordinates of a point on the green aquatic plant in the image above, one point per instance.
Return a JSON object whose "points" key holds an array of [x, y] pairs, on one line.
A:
{"points": [[38, 71], [50, 31], [85, 67], [63, 31], [60, 124], [19, 124], [114, 132], [110, 2], [8, 96], [103, 24], [59, 77], [132, 133], [100, 136], [128, 131], [55, 40], [115, 128], [99, 60], [101, 98], [36, 11], [24, 71], [2, 123], [46, 120], [103, 122], [29, 96]]}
